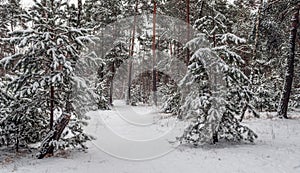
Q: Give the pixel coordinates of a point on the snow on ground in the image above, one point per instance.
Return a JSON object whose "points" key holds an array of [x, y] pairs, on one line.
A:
{"points": [[139, 139]]}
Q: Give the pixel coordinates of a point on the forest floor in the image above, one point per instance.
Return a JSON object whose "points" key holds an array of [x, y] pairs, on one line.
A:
{"points": [[141, 140]]}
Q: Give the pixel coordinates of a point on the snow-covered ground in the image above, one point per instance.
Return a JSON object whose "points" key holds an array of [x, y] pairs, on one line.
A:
{"points": [[141, 140]]}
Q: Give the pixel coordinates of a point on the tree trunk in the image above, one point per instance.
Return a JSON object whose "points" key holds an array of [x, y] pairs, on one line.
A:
{"points": [[79, 13], [188, 30], [128, 100], [201, 9], [284, 101], [111, 84], [257, 26], [154, 89], [51, 106]]}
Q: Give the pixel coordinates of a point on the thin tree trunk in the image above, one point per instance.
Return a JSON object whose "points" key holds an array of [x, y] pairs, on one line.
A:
{"points": [[111, 84], [131, 56], [201, 9], [79, 13], [154, 89], [52, 90], [51, 106], [144, 88], [112, 70], [188, 30], [12, 29], [284, 101], [257, 26]]}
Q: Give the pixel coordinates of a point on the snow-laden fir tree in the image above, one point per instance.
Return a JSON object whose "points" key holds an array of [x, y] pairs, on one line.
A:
{"points": [[218, 90], [45, 74]]}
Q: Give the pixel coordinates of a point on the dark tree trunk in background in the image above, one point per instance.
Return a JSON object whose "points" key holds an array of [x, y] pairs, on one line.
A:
{"points": [[257, 26], [201, 9], [188, 29], [284, 101], [79, 12], [111, 84], [154, 89], [51, 106]]}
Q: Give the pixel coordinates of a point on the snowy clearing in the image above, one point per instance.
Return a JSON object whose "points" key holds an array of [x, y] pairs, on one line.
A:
{"points": [[276, 150]]}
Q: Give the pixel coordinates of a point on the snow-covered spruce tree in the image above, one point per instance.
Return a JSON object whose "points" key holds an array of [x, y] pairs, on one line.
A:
{"points": [[44, 69], [218, 88]]}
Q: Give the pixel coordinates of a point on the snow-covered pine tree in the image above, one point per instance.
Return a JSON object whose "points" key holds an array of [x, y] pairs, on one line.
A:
{"points": [[215, 101], [44, 68]]}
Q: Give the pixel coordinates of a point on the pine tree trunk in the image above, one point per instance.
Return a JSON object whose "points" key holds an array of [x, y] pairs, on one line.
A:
{"points": [[154, 89], [111, 84], [144, 87], [112, 70], [79, 12], [128, 100], [188, 30], [201, 9], [52, 91], [284, 101], [257, 26], [51, 106]]}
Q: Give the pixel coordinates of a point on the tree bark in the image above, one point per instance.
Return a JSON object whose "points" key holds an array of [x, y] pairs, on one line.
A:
{"points": [[131, 56], [188, 30], [51, 106], [284, 101], [257, 26], [201, 9], [111, 84], [154, 89], [79, 13]]}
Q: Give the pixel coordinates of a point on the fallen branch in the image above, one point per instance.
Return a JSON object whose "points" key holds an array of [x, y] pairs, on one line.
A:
{"points": [[54, 135]]}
